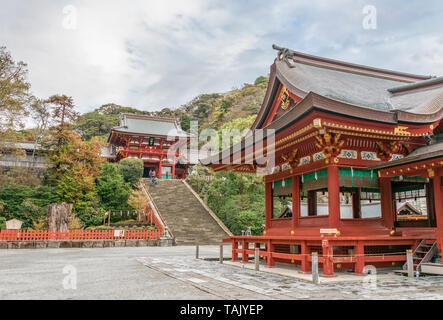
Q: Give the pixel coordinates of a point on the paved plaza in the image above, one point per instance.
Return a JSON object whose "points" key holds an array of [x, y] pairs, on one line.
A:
{"points": [[174, 273]]}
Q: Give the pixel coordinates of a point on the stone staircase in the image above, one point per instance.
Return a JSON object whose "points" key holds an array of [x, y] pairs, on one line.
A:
{"points": [[184, 214]]}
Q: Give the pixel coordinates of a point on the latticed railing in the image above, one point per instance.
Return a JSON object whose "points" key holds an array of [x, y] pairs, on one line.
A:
{"points": [[72, 235]]}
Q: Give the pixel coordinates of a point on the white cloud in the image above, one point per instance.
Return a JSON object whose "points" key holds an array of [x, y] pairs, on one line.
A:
{"points": [[153, 54]]}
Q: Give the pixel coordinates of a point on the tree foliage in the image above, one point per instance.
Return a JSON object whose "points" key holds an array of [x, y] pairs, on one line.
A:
{"points": [[132, 170], [15, 98], [26, 203], [114, 192], [237, 199], [14, 91]]}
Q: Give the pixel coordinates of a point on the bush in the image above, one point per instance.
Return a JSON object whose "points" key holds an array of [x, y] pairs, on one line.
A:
{"points": [[91, 216], [2, 223], [112, 188], [40, 224], [238, 221], [75, 224], [132, 170], [26, 203]]}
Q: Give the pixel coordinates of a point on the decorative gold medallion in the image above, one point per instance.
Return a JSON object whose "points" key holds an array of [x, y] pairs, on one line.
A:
{"points": [[284, 98]]}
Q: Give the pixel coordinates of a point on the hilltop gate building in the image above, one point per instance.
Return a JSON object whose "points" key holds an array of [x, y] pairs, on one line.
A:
{"points": [[149, 139]]}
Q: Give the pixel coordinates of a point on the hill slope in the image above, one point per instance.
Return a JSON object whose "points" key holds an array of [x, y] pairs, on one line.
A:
{"points": [[210, 110]]}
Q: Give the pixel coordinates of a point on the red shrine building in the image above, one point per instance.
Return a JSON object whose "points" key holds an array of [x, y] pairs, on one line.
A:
{"points": [[150, 139], [358, 165]]}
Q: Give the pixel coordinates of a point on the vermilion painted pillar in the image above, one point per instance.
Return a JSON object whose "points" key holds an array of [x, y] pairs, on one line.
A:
{"points": [[234, 253], [270, 259], [295, 201], [359, 251], [268, 205], [173, 168], [333, 197], [387, 210], [304, 257], [244, 247], [328, 259], [438, 200]]}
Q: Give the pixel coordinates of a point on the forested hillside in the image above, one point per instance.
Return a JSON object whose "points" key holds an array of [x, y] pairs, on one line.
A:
{"points": [[210, 110], [76, 173]]}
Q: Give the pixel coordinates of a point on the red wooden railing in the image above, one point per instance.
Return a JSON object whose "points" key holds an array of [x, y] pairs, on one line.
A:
{"points": [[45, 235]]}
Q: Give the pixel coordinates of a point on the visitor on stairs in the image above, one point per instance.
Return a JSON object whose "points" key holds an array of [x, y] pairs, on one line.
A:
{"points": [[153, 178]]}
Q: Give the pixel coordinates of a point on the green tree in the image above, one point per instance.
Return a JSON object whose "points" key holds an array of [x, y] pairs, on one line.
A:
{"points": [[131, 170], [185, 122], [15, 98], [261, 80], [2, 223], [26, 203], [114, 192], [63, 115]]}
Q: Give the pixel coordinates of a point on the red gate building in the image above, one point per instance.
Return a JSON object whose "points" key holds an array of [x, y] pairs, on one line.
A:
{"points": [[358, 164], [150, 139]]}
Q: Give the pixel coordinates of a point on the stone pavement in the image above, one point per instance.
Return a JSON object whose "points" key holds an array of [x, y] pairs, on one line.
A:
{"points": [[173, 273], [294, 271], [230, 282]]}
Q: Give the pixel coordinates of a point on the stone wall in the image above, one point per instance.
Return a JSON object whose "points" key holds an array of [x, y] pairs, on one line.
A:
{"points": [[161, 242]]}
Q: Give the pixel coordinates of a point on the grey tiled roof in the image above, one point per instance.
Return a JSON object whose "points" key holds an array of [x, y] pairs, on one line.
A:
{"points": [[348, 87], [362, 90], [424, 100], [150, 125]]}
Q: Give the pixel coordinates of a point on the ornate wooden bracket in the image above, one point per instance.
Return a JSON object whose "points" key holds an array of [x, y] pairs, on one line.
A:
{"points": [[330, 144], [290, 157], [386, 150]]}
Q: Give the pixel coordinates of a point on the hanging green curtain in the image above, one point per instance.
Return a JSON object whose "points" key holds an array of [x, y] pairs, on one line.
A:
{"points": [[314, 180], [282, 189], [358, 178]]}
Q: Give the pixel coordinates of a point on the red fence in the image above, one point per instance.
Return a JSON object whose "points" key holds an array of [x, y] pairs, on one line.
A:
{"points": [[44, 235]]}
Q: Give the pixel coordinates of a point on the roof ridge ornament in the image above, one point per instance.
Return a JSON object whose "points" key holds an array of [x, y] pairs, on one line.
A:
{"points": [[284, 54]]}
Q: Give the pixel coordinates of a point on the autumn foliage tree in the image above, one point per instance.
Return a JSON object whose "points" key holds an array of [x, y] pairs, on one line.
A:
{"points": [[63, 116], [75, 168], [15, 97]]}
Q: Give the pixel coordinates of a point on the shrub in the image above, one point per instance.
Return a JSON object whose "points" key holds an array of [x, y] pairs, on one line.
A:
{"points": [[112, 189], [132, 170], [75, 224]]}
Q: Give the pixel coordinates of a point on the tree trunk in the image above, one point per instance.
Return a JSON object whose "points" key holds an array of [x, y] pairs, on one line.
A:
{"points": [[59, 216]]}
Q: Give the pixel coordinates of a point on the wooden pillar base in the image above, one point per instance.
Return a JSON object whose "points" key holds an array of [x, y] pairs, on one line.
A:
{"points": [[270, 261], [359, 250], [234, 253], [328, 260], [244, 247], [305, 265]]}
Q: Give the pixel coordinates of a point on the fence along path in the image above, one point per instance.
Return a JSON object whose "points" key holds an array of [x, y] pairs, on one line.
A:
{"points": [[69, 235]]}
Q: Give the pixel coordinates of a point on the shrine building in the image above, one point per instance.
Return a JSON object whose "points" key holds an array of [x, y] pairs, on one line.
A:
{"points": [[358, 165], [149, 139]]}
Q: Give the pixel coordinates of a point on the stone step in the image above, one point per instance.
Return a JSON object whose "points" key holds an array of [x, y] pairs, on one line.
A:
{"points": [[183, 213]]}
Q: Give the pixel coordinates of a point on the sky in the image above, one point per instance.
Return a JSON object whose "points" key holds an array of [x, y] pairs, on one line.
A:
{"points": [[155, 54]]}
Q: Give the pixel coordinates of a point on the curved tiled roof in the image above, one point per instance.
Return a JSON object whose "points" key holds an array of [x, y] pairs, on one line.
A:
{"points": [[132, 123], [403, 96]]}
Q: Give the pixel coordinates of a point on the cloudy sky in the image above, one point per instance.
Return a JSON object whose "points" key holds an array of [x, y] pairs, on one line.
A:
{"points": [[154, 54]]}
